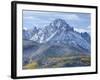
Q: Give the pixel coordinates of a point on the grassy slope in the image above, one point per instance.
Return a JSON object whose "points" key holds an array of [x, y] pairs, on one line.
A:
{"points": [[57, 62]]}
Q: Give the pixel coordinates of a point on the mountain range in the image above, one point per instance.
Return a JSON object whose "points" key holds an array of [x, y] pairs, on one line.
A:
{"points": [[58, 32], [56, 39]]}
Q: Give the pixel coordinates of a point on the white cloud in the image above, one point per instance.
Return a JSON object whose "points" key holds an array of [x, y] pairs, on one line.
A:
{"points": [[28, 17], [82, 30], [25, 28], [79, 30], [73, 17], [88, 27]]}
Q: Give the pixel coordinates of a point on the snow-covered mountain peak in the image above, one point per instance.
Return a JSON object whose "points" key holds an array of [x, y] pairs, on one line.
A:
{"points": [[58, 32], [61, 24]]}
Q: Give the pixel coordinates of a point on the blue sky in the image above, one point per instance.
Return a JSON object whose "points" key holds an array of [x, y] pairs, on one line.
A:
{"points": [[80, 21]]}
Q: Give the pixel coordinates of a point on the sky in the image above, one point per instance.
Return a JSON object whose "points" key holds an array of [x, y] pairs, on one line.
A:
{"points": [[80, 21]]}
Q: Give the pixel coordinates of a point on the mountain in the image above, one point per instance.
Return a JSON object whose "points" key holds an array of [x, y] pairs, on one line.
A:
{"points": [[29, 33], [60, 32], [86, 36], [57, 26], [56, 39]]}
